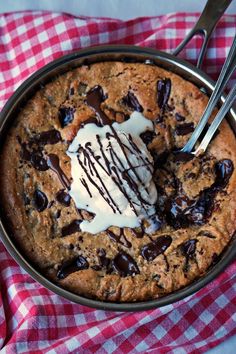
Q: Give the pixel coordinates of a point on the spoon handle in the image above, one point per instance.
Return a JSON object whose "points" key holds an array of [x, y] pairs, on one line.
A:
{"points": [[226, 72], [217, 120]]}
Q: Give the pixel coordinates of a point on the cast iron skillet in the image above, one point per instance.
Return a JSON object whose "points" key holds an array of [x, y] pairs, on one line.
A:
{"points": [[112, 53]]}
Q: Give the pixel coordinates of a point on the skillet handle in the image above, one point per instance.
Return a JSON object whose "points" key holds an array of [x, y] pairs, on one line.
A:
{"points": [[206, 23]]}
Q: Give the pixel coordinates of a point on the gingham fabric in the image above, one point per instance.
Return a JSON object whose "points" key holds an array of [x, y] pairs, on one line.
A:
{"points": [[33, 319]]}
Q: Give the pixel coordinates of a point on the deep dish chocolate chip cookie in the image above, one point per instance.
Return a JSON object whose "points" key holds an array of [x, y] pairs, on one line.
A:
{"points": [[97, 194]]}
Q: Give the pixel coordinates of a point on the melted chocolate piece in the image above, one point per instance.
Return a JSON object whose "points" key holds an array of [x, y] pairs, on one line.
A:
{"points": [[48, 137], [119, 238], [223, 169], [103, 260], [38, 161], [94, 99], [69, 267], [35, 157], [203, 208], [148, 136], [184, 129], [180, 156], [124, 264], [71, 228], [182, 212], [40, 200], [163, 92], [53, 163], [63, 197], [132, 102], [188, 248], [178, 211], [155, 248], [179, 118], [66, 115]]}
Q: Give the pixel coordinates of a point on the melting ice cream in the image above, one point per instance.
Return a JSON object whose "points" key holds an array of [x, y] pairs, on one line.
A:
{"points": [[112, 174]]}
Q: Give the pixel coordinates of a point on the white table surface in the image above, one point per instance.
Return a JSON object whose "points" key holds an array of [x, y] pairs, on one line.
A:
{"points": [[124, 10]]}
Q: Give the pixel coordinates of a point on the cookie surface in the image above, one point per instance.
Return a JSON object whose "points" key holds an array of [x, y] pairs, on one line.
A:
{"points": [[196, 205]]}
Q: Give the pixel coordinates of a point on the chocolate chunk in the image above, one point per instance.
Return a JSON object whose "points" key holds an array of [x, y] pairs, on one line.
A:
{"points": [[48, 137], [103, 260], [178, 210], [148, 136], [34, 156], [124, 264], [40, 200], [203, 208], [71, 228], [184, 129], [38, 161], [223, 170], [155, 248], [65, 115], [179, 118], [94, 99], [69, 267], [63, 197], [132, 102], [188, 248], [163, 92]]}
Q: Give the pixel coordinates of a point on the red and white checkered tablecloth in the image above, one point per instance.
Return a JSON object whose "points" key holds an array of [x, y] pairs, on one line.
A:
{"points": [[32, 319]]}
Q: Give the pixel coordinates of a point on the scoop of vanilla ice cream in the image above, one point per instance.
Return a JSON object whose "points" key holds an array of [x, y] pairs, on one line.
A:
{"points": [[112, 174]]}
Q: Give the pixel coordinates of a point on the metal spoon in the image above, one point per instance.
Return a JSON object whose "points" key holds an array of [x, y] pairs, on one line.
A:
{"points": [[226, 72]]}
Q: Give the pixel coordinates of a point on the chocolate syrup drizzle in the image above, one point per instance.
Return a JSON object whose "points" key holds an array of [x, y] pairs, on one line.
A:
{"points": [[119, 238], [53, 163], [113, 167]]}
